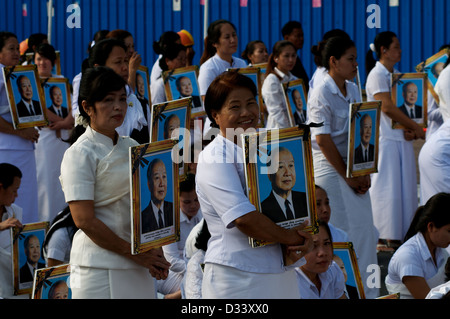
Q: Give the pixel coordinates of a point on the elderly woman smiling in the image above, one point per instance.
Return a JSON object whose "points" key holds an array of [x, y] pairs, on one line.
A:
{"points": [[232, 268], [94, 172]]}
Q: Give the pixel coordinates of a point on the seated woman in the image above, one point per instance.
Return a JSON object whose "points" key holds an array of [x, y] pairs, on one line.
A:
{"points": [[419, 264], [321, 277]]}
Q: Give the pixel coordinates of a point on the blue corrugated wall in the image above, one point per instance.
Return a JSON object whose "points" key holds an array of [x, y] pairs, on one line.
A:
{"points": [[422, 25]]}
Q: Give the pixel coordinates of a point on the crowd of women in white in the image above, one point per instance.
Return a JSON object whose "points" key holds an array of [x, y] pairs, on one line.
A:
{"points": [[365, 209]]}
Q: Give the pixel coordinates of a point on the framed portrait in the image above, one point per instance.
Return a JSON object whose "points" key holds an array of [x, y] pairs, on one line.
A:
{"points": [[181, 83], [262, 68], [29, 58], [345, 257], [363, 133], [57, 96], [155, 208], [25, 96], [52, 283], [280, 177], [142, 90], [433, 67], [27, 254], [296, 99], [409, 94], [254, 73]]}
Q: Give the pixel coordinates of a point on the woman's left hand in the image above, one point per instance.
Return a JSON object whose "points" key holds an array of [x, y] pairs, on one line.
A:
{"points": [[293, 253]]}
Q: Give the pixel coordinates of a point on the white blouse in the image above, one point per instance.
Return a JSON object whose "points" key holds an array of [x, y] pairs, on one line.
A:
{"points": [[441, 88], [220, 181], [273, 94], [413, 258], [95, 169], [379, 81], [134, 118], [157, 91], [332, 280], [329, 106]]}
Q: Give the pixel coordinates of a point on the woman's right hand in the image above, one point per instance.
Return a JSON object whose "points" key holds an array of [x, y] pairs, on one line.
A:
{"points": [[155, 261], [360, 184], [30, 134]]}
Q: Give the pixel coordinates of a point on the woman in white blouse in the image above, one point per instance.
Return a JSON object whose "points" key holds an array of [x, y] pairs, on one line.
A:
{"points": [[95, 181], [329, 104], [321, 277], [419, 264], [394, 187], [233, 269], [221, 43], [281, 62]]}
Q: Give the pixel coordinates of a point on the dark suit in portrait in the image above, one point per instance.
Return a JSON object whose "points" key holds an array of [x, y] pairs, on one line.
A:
{"points": [[25, 274], [272, 209], [297, 118], [417, 111], [63, 110], [149, 222], [359, 156], [23, 111]]}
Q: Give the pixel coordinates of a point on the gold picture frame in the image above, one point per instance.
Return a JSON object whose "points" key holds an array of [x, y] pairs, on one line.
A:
{"points": [[363, 138], [295, 93], [52, 283], [20, 113], [264, 152], [345, 257], [401, 86], [64, 85], [29, 238], [147, 233]]}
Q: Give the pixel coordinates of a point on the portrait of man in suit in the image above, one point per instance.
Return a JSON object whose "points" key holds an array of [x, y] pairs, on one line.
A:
{"points": [[159, 212], [409, 107], [365, 151], [57, 100], [299, 112], [27, 106], [171, 123], [184, 87], [283, 203], [32, 250]]}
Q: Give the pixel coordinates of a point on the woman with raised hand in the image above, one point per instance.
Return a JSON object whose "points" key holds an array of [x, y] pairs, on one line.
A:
{"points": [[95, 181]]}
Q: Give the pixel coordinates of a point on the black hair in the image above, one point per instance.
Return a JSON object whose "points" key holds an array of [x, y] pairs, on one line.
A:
{"points": [[434, 211], [95, 84], [276, 51], [213, 37], [201, 242], [34, 40], [327, 228], [336, 46], [101, 51], [317, 49], [221, 87], [170, 52], [289, 27], [382, 39], [167, 38], [7, 174], [249, 49], [47, 51], [188, 184], [5, 35]]}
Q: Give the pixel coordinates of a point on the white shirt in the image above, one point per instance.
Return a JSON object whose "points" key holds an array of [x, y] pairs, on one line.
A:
{"points": [[413, 258], [328, 105], [442, 89], [95, 169], [274, 98], [379, 81], [338, 235], [174, 252], [157, 91], [156, 70], [59, 245], [134, 118], [281, 202], [434, 164], [332, 280], [213, 67], [317, 78], [220, 182]]}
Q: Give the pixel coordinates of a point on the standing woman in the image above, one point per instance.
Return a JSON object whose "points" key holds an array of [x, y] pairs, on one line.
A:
{"points": [[173, 57], [255, 52], [419, 264], [281, 62], [167, 38], [394, 187], [112, 53], [17, 146], [51, 147], [233, 269], [95, 181], [329, 103], [221, 43]]}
